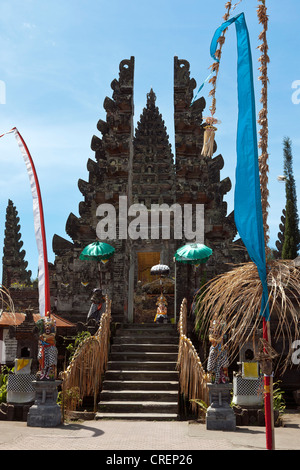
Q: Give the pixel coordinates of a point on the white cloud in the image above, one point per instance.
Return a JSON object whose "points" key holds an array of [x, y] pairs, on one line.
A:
{"points": [[28, 25]]}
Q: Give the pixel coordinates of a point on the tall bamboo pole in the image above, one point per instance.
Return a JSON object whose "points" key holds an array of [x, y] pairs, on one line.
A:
{"points": [[264, 170]]}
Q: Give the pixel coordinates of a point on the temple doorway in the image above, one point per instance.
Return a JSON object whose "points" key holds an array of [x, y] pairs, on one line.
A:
{"points": [[145, 262]]}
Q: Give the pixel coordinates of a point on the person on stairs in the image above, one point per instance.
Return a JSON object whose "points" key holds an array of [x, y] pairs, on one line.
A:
{"points": [[97, 307]]}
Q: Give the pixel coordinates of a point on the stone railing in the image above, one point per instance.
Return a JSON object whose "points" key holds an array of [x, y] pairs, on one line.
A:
{"points": [[83, 377], [192, 376]]}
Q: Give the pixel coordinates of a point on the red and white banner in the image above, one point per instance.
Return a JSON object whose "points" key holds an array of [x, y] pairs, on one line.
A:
{"points": [[39, 225]]}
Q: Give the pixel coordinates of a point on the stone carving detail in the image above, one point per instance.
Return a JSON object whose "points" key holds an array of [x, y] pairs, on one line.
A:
{"points": [[141, 166], [153, 166], [72, 280], [197, 177]]}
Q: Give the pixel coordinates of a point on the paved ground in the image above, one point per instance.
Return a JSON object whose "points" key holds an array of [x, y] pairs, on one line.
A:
{"points": [[144, 435]]}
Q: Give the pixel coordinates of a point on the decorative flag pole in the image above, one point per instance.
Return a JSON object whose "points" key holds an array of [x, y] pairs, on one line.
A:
{"points": [[250, 203], [264, 279], [39, 225], [264, 169]]}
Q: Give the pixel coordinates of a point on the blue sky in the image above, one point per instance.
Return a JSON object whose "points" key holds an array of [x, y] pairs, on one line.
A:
{"points": [[58, 59]]}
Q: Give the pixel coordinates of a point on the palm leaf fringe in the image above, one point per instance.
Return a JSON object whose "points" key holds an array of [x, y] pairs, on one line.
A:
{"points": [[85, 372], [233, 300], [192, 376]]}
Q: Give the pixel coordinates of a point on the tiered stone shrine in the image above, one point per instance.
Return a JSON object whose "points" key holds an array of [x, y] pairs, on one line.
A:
{"points": [[14, 266]]}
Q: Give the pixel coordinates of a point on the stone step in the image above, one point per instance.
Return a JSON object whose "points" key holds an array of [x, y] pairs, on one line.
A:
{"points": [[117, 318], [139, 395], [138, 416], [157, 326], [144, 347], [143, 356], [148, 330], [115, 406], [140, 375], [141, 380], [141, 365], [140, 385], [145, 339]]}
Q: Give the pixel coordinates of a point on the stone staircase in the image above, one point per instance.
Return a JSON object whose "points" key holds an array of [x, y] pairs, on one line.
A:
{"points": [[141, 381]]}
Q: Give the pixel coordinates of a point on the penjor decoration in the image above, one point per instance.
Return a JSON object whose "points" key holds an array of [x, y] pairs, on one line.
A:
{"points": [[39, 225], [209, 137], [211, 121], [248, 295]]}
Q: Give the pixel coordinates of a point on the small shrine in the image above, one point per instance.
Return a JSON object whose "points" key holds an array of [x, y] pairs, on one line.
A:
{"points": [[20, 391], [31, 350], [248, 380]]}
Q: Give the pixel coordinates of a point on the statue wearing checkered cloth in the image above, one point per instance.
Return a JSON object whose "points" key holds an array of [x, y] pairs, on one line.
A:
{"points": [[47, 354], [218, 364]]}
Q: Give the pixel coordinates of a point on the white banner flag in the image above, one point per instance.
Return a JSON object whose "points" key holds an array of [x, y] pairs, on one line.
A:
{"points": [[39, 226]]}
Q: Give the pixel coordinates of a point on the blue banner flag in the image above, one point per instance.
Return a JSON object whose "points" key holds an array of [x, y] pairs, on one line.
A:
{"points": [[247, 198]]}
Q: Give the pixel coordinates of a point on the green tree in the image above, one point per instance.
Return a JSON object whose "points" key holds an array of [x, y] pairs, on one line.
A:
{"points": [[291, 230], [280, 235]]}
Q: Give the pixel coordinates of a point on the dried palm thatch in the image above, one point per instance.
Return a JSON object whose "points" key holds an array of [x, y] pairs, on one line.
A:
{"points": [[88, 365], [233, 302], [6, 302], [192, 377]]}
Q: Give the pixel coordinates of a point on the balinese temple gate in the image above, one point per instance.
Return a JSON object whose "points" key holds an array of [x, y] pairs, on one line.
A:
{"points": [[137, 166]]}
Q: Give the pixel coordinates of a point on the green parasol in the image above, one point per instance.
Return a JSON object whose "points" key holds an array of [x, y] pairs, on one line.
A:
{"points": [[98, 251], [193, 253]]}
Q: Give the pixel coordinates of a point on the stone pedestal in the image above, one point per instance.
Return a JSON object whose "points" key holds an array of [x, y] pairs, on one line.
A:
{"points": [[220, 416], [296, 395], [45, 412]]}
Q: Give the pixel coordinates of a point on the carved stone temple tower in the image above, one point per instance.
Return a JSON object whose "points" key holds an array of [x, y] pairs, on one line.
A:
{"points": [[138, 167], [14, 265]]}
